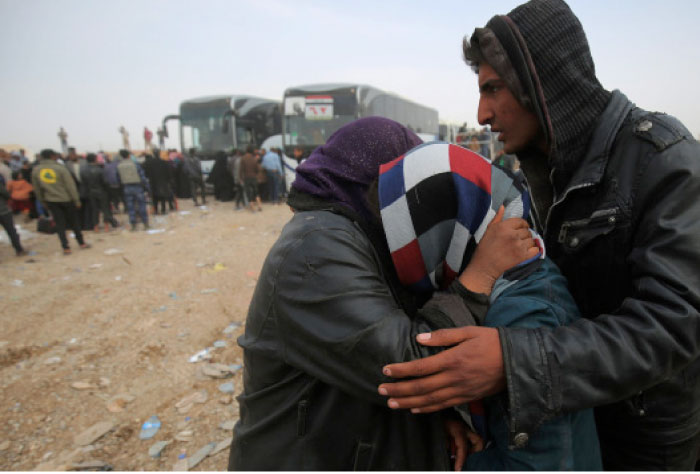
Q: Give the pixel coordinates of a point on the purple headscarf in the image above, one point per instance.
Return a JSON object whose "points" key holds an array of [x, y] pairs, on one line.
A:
{"points": [[341, 170]]}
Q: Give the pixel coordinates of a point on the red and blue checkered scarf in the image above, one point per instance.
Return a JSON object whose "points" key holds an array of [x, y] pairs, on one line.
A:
{"points": [[436, 202]]}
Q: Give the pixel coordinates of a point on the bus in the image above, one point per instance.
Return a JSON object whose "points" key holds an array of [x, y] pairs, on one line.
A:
{"points": [[312, 113]]}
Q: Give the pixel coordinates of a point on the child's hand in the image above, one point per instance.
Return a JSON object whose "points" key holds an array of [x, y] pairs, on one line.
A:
{"points": [[505, 244], [462, 441]]}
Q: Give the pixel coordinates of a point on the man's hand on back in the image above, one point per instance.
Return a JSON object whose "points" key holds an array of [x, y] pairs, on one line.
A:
{"points": [[471, 370]]}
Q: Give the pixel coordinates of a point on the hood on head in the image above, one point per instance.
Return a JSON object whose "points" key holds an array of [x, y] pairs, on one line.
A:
{"points": [[541, 52]]}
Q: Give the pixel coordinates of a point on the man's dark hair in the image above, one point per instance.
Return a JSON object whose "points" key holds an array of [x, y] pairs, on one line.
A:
{"points": [[250, 149], [124, 153], [47, 153], [91, 157]]}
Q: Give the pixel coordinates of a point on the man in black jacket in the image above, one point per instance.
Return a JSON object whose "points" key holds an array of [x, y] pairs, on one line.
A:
{"points": [[615, 196]]}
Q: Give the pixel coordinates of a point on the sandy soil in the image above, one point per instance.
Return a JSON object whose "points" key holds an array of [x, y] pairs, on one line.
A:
{"points": [[105, 336]]}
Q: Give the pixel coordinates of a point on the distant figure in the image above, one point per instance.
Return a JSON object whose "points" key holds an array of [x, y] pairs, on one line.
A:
{"points": [[63, 136], [273, 168], [147, 137], [161, 137], [249, 176], [20, 194], [133, 178], [193, 170], [125, 138], [55, 189], [474, 144], [7, 221], [5, 170], [97, 192]]}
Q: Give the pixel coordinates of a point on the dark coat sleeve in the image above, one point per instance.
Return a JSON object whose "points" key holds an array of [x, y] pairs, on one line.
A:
{"points": [[337, 319]]}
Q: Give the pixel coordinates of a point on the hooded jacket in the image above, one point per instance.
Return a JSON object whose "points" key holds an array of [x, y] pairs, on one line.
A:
{"points": [[616, 202]]}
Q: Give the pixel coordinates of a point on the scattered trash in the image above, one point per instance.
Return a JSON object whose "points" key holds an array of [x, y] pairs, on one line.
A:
{"points": [[104, 382], [217, 268], [220, 344], [185, 213], [73, 340], [181, 456], [231, 328], [200, 265], [184, 405], [221, 445], [95, 266], [150, 428], [52, 360], [201, 355], [201, 454], [118, 278], [126, 260], [93, 465], [93, 433], [226, 387], [185, 436], [160, 309], [17, 283], [82, 385], [217, 371], [117, 403], [173, 295], [241, 228], [113, 251], [165, 325], [181, 465], [155, 231], [207, 291], [227, 425], [157, 448]]}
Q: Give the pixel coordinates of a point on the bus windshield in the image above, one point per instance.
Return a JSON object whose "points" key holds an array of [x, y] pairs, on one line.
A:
{"points": [[202, 129], [309, 120]]}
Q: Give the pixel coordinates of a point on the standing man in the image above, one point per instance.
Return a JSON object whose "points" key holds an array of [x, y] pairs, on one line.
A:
{"points": [[273, 169], [63, 136], [55, 189], [125, 138], [133, 179], [615, 195], [7, 221], [161, 137], [193, 170], [248, 174], [5, 170], [147, 137]]}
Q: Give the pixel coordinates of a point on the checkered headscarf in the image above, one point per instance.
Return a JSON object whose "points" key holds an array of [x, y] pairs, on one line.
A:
{"points": [[436, 202]]}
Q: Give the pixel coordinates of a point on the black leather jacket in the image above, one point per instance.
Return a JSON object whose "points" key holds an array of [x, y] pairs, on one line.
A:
{"points": [[626, 234], [321, 325]]}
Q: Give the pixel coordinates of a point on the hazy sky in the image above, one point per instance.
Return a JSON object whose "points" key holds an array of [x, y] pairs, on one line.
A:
{"points": [[93, 65]]}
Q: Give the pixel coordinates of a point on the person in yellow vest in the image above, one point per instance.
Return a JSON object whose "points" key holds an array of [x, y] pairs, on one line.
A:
{"points": [[134, 180], [55, 189]]}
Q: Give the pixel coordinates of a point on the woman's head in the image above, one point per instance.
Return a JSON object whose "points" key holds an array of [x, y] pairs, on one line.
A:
{"points": [[341, 170]]}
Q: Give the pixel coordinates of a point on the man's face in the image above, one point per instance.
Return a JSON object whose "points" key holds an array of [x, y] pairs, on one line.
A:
{"points": [[518, 128]]}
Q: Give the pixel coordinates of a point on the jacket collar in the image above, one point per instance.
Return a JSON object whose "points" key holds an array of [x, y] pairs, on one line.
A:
{"points": [[592, 167]]}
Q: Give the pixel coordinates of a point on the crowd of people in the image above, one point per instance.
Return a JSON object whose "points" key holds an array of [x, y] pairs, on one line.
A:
{"points": [[86, 192]]}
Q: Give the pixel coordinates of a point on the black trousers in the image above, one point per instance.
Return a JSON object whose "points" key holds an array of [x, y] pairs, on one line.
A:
{"points": [[8, 223], [197, 183], [65, 213], [621, 452], [99, 204]]}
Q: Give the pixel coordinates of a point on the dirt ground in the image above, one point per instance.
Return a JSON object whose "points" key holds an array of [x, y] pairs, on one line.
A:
{"points": [[105, 336]]}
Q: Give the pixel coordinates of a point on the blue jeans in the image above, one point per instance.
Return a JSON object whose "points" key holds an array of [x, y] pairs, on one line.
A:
{"points": [[135, 201]]}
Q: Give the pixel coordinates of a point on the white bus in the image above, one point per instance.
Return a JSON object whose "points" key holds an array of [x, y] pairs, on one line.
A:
{"points": [[312, 113]]}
